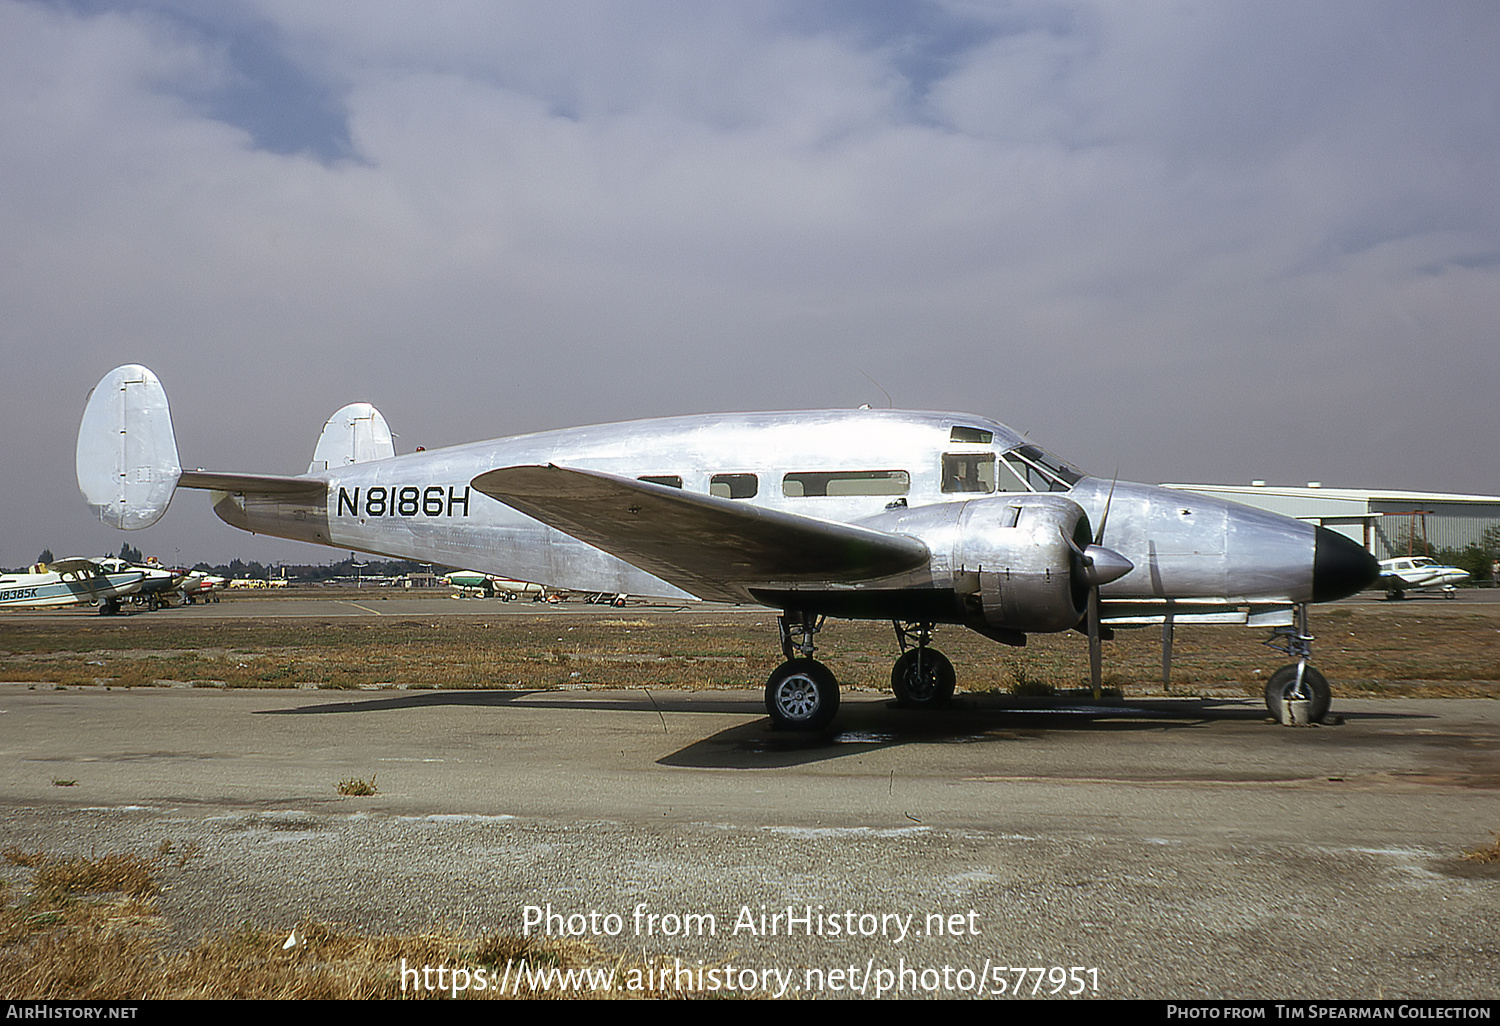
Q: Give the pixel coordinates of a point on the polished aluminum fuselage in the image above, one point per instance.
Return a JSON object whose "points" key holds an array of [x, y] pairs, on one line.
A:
{"points": [[1193, 557]]}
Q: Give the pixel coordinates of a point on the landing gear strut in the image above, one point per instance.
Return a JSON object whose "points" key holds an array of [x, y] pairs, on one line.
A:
{"points": [[1297, 681], [801, 693], [922, 678]]}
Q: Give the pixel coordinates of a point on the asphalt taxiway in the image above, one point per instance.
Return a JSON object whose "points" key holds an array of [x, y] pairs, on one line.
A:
{"points": [[1182, 848]]}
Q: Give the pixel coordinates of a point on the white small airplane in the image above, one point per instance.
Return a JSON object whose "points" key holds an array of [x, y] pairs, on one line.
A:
{"points": [[198, 586], [1418, 573], [70, 582], [917, 518], [483, 585], [158, 582]]}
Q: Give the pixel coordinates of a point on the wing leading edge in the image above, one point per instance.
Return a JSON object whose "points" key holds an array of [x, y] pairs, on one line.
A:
{"points": [[714, 548]]}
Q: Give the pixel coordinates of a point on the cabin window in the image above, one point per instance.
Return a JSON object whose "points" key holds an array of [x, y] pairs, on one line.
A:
{"points": [[969, 472], [846, 482], [979, 436], [670, 480], [733, 486]]}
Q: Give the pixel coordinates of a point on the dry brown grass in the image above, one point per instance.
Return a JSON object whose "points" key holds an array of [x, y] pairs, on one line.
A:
{"points": [[1412, 649], [89, 930], [1488, 853]]}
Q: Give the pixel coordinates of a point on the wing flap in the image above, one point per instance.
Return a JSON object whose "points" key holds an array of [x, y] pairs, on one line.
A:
{"points": [[714, 548]]}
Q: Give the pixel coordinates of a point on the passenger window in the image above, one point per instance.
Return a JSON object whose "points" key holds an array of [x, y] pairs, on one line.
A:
{"points": [[969, 472], [670, 480], [846, 482], [733, 486]]}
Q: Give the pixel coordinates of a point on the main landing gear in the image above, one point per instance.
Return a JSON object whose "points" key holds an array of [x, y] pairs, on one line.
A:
{"points": [[1299, 681], [922, 678], [803, 694]]}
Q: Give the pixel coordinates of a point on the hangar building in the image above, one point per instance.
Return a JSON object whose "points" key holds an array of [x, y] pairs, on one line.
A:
{"points": [[1389, 523]]}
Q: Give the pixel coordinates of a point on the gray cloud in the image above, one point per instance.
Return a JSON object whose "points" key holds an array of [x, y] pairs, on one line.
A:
{"points": [[1191, 241]]}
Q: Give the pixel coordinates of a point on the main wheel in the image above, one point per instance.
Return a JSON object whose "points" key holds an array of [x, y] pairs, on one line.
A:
{"points": [[802, 694], [1283, 683], [923, 678]]}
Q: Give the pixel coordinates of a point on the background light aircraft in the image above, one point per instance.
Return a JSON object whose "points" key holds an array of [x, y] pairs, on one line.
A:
{"points": [[200, 587], [917, 518], [70, 582], [473, 582], [156, 585], [1418, 573], [494, 586]]}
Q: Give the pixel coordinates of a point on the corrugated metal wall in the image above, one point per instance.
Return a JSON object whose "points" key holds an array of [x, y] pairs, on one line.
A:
{"points": [[1448, 525]]}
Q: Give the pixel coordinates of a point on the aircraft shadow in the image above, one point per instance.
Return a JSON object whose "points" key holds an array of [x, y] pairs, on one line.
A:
{"points": [[862, 726], [532, 699], [971, 719]]}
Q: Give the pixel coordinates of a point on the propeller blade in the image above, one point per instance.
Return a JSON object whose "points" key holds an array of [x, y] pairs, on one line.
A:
{"points": [[1104, 517]]}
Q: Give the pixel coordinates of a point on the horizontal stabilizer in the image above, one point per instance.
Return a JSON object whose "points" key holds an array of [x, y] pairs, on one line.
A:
{"points": [[714, 548], [251, 484], [127, 455]]}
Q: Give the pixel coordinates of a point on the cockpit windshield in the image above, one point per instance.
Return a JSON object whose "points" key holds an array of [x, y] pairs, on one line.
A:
{"points": [[1029, 468]]}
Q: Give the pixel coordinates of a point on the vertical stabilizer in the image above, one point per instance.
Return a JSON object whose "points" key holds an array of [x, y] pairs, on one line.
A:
{"points": [[355, 434], [127, 454]]}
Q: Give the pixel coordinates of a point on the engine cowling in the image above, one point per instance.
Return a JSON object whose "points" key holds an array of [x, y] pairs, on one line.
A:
{"points": [[1014, 564]]}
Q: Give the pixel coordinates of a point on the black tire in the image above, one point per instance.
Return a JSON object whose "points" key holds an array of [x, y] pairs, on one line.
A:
{"points": [[1284, 681], [923, 678], [802, 694]]}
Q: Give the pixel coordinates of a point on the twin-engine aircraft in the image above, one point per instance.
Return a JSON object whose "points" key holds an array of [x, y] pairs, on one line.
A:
{"points": [[1419, 573], [917, 518]]}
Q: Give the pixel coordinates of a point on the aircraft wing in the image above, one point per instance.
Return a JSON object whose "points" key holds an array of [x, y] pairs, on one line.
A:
{"points": [[714, 548], [62, 566]]}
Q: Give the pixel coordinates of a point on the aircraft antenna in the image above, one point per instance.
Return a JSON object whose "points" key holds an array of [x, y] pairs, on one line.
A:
{"points": [[888, 403]]}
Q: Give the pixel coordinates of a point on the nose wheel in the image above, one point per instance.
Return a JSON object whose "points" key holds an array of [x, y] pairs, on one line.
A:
{"points": [[1297, 681]]}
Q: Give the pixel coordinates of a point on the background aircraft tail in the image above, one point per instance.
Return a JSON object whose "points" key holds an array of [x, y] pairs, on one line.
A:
{"points": [[127, 455]]}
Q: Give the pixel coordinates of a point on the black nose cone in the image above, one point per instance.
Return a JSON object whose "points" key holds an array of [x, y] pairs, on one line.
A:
{"points": [[1341, 566]]}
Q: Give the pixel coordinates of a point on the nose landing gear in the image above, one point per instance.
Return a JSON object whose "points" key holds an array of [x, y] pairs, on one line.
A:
{"points": [[1297, 682]]}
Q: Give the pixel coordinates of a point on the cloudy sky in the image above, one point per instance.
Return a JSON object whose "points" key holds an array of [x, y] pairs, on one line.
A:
{"points": [[1181, 241]]}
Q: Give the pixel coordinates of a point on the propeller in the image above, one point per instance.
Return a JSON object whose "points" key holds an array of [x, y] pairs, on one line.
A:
{"points": [[1100, 566]]}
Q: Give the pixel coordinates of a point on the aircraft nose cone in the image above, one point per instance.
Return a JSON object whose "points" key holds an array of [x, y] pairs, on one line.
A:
{"points": [[1341, 566]]}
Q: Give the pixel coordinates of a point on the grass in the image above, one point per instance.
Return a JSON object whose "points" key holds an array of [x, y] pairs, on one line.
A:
{"points": [[355, 787], [1410, 650], [1488, 854], [89, 930]]}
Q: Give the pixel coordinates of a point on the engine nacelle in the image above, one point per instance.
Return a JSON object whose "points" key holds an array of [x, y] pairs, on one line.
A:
{"points": [[1013, 563]]}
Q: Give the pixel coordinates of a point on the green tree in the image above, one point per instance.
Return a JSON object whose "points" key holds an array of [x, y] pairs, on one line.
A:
{"points": [[46, 556]]}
